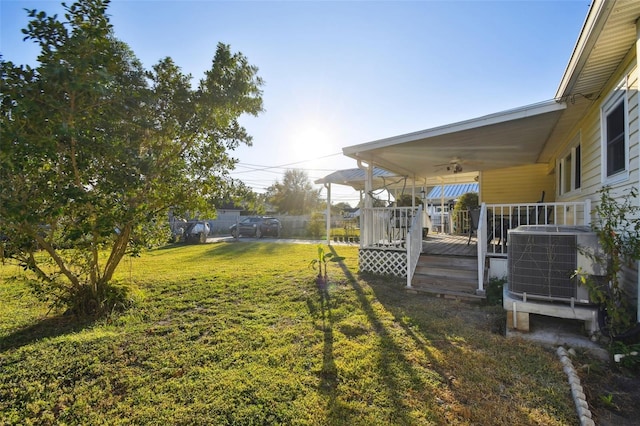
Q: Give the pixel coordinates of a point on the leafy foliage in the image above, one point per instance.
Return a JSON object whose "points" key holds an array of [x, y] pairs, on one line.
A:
{"points": [[465, 202], [630, 355], [317, 225], [340, 207], [94, 149], [494, 291], [319, 262], [294, 195], [617, 224], [322, 260]]}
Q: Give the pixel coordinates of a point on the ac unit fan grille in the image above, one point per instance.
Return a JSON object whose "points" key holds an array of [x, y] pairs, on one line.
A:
{"points": [[543, 265]]}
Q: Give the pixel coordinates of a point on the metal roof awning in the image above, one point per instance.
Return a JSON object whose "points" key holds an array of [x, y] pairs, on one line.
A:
{"points": [[451, 192], [355, 178]]}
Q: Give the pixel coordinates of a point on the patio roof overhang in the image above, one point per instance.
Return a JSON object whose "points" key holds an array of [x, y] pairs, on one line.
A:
{"points": [[524, 135], [355, 178], [506, 139]]}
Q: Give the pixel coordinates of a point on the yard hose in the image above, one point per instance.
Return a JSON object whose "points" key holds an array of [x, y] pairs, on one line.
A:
{"points": [[603, 323]]}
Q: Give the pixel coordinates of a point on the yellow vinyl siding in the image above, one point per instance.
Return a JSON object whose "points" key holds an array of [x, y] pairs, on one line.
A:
{"points": [[522, 184], [590, 129]]}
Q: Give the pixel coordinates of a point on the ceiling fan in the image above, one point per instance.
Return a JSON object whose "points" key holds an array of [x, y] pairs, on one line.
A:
{"points": [[456, 168], [455, 165]]}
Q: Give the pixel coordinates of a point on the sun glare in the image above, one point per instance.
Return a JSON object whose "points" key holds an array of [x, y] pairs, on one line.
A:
{"points": [[311, 141]]}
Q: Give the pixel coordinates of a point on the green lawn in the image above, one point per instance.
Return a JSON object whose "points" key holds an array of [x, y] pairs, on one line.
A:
{"points": [[238, 333]]}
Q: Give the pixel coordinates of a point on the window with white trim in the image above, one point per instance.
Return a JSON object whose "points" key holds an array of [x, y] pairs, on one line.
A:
{"points": [[615, 136], [570, 168]]}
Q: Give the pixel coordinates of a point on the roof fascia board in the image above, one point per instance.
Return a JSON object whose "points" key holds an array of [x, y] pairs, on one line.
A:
{"points": [[593, 25], [487, 120]]}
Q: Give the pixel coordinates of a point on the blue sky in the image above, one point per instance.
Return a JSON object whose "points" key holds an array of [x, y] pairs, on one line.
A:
{"points": [[340, 73]]}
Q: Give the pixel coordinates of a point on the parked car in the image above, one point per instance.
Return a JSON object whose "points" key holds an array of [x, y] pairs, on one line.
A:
{"points": [[196, 232], [257, 226]]}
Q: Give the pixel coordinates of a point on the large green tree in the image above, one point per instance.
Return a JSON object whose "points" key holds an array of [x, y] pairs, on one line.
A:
{"points": [[295, 194], [94, 149]]}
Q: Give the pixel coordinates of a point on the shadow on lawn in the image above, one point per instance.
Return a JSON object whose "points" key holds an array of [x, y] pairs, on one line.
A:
{"points": [[47, 327], [391, 353], [329, 381]]}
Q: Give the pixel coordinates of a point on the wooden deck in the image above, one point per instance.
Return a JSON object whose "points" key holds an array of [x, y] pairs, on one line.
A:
{"points": [[449, 245]]}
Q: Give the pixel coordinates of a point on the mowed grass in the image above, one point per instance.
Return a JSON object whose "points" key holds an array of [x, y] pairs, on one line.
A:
{"points": [[238, 333]]}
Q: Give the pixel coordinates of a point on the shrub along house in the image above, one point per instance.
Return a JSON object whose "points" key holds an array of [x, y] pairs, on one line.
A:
{"points": [[555, 155]]}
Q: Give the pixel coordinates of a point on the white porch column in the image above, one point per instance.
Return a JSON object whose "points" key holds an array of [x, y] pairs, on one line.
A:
{"points": [[366, 218], [413, 194], [442, 207], [328, 186], [638, 183], [368, 183]]}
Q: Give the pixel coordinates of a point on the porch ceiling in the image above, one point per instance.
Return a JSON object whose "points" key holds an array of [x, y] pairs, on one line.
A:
{"points": [[505, 139]]}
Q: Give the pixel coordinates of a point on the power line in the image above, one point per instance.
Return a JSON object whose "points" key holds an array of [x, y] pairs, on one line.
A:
{"points": [[284, 166]]}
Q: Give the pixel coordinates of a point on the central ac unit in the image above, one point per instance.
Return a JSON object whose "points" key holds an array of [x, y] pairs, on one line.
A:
{"points": [[543, 260]]}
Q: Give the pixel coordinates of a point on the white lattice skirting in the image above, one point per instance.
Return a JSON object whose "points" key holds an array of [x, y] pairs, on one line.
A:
{"points": [[383, 262]]}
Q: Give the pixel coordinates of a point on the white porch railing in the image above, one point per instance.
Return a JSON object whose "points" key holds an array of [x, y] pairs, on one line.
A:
{"points": [[495, 221], [391, 240], [386, 228], [414, 245], [500, 218]]}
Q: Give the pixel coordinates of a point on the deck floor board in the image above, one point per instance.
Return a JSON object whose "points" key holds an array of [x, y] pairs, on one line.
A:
{"points": [[450, 245]]}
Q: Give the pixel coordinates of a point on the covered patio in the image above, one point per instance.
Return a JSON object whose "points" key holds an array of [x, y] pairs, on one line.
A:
{"points": [[464, 152], [395, 234]]}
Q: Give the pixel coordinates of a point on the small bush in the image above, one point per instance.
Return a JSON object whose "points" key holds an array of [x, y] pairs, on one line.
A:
{"points": [[316, 225], [616, 223], [494, 291]]}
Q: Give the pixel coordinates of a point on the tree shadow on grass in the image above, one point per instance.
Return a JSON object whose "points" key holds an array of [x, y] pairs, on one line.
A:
{"points": [[329, 374], [45, 328], [391, 354]]}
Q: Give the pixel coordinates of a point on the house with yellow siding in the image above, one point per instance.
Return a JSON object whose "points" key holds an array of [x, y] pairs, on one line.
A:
{"points": [[585, 138], [525, 183]]}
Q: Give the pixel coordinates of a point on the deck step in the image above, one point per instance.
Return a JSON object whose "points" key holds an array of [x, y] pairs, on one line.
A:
{"points": [[459, 262], [447, 294], [445, 272], [447, 276], [448, 281], [451, 267]]}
